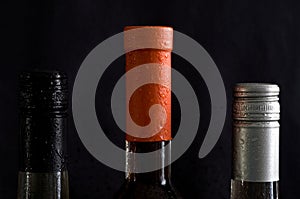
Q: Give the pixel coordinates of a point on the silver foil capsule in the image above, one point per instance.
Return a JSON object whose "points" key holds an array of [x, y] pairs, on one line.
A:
{"points": [[256, 112]]}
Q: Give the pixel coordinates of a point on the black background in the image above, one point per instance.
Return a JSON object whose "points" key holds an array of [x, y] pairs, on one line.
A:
{"points": [[250, 41]]}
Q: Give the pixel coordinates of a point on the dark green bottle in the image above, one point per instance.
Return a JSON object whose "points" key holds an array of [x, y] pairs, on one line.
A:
{"points": [[43, 120]]}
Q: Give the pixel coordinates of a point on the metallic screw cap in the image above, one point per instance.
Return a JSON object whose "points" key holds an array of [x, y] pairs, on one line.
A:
{"points": [[256, 132], [256, 102]]}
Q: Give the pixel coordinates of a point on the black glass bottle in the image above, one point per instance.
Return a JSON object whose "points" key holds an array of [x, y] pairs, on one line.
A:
{"points": [[43, 113]]}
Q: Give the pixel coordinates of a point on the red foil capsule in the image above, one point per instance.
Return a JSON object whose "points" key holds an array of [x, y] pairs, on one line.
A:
{"points": [[158, 41]]}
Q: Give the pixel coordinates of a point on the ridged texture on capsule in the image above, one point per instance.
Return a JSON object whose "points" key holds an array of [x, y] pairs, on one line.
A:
{"points": [[256, 102], [43, 91]]}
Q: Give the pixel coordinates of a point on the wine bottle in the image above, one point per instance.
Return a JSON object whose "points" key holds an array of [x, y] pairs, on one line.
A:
{"points": [[154, 184], [255, 170], [43, 113]]}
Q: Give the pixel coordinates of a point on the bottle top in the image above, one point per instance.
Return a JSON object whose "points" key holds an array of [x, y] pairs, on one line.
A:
{"points": [[256, 90], [142, 37], [45, 91], [256, 102]]}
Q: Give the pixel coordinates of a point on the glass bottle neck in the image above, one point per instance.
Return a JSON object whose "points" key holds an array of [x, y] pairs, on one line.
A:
{"points": [[43, 185], [249, 190], [162, 175]]}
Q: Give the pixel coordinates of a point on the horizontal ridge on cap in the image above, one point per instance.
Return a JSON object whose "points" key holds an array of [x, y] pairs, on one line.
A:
{"points": [[43, 90], [256, 102], [256, 90]]}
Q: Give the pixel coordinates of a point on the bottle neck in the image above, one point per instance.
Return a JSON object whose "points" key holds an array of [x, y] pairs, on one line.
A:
{"points": [[42, 142], [249, 190], [47, 185], [162, 175]]}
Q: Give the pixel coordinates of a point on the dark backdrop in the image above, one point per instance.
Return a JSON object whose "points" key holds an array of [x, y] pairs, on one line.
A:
{"points": [[257, 41]]}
